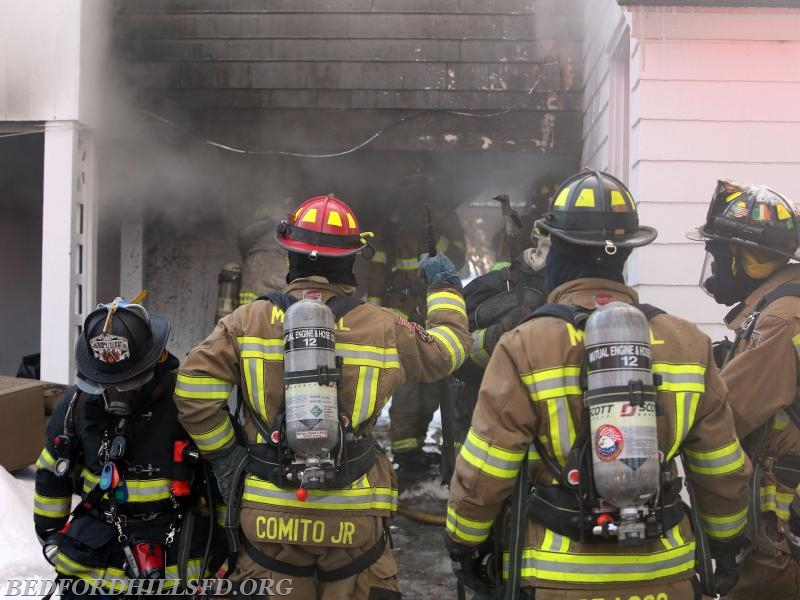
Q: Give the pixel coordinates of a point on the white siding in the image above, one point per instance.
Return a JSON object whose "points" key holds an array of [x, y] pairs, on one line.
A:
{"points": [[714, 93]]}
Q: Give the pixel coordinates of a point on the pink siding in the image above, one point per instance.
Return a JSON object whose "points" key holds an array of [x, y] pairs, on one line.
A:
{"points": [[714, 93]]}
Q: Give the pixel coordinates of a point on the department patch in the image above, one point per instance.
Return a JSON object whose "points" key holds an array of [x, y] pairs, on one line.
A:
{"points": [[312, 295], [111, 349], [608, 442], [601, 300], [755, 339], [415, 328]]}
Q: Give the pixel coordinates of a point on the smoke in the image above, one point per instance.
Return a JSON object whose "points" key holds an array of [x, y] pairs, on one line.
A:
{"points": [[166, 95]]}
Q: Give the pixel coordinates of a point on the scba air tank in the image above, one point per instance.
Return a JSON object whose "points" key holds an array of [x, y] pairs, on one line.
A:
{"points": [[310, 375], [622, 405]]}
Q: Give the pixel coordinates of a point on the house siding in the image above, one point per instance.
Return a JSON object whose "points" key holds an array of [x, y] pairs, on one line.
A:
{"points": [[713, 95]]}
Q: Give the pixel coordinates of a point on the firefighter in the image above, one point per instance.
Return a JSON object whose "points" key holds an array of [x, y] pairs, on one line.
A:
{"points": [[751, 234], [264, 262], [321, 525], [531, 411], [394, 281], [497, 302], [114, 439]]}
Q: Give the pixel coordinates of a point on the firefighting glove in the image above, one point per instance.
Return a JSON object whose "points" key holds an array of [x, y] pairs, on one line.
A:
{"points": [[516, 316], [793, 532], [467, 565], [439, 269], [729, 557], [228, 470]]}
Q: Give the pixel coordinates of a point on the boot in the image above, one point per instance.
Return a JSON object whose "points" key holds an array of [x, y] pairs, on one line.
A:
{"points": [[415, 464]]}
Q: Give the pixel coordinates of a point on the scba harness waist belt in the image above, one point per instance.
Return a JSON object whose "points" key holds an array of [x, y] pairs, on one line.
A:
{"points": [[560, 511], [267, 463]]}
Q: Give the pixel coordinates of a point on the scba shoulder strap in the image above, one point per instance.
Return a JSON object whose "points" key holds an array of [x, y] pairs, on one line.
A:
{"points": [[339, 305]]}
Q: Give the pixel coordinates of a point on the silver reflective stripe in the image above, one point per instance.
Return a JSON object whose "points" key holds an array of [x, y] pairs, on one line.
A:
{"points": [[266, 349], [254, 373], [366, 392], [711, 465], [201, 387], [489, 459], [681, 378], [685, 409], [544, 388], [407, 264], [369, 356], [453, 343], [461, 527], [479, 354]]}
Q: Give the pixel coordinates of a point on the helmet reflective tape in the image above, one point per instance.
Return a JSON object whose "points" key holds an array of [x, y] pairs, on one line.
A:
{"points": [[592, 208], [323, 225], [750, 215]]}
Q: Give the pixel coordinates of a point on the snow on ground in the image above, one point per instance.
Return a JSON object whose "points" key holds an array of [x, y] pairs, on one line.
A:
{"points": [[424, 567], [20, 553]]}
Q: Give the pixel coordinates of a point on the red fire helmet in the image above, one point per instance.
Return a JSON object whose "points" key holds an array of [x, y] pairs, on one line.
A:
{"points": [[323, 226]]}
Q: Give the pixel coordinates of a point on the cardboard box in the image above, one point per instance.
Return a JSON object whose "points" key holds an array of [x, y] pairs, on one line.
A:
{"points": [[21, 419]]}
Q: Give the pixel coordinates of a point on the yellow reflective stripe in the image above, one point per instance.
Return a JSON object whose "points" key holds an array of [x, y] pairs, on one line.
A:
{"points": [[553, 383], [256, 386], [366, 395], [377, 300], [246, 298], [353, 498], [115, 581], [685, 410], [442, 244], [445, 336], [467, 529], [54, 508], [215, 438], [479, 354], [796, 342], [603, 568], [555, 542], [89, 479], [148, 490], [774, 501], [490, 459], [673, 538], [688, 377], [407, 264], [533, 454], [562, 428], [362, 355], [720, 461], [139, 490], [221, 513], [379, 257], [446, 301], [206, 388], [263, 348], [101, 577], [46, 461], [458, 244], [726, 526], [405, 444], [780, 420]]}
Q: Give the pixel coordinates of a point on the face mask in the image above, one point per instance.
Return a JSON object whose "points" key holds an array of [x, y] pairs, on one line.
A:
{"points": [[721, 278], [121, 399]]}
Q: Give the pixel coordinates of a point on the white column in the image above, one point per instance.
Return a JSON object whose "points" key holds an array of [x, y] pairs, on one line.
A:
{"points": [[68, 246]]}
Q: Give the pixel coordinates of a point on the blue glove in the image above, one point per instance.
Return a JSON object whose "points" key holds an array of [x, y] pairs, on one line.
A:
{"points": [[438, 269]]}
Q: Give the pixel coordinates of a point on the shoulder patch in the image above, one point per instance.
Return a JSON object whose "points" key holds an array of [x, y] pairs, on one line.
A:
{"points": [[414, 328]]}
